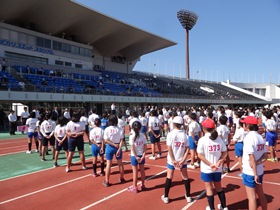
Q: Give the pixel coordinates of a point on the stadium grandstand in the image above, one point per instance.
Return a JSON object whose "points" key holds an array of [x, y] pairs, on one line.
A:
{"points": [[61, 53]]}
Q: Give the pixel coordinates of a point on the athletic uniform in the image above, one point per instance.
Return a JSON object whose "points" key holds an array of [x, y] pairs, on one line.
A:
{"points": [[194, 127], [144, 122], [113, 134], [138, 144], [271, 135], [47, 129], [223, 132], [91, 119], [212, 150], [60, 132], [154, 125], [31, 123], [75, 127], [238, 139], [178, 141], [96, 135], [253, 144]]}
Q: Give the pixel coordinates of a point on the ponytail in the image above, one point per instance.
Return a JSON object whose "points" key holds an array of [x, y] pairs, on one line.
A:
{"points": [[136, 126], [214, 134]]}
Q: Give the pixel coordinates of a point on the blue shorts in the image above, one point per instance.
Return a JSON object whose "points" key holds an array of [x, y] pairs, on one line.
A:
{"points": [[144, 129], [134, 162], [230, 120], [76, 142], [111, 151], [63, 146], [153, 138], [238, 148], [193, 146], [249, 180], [211, 177], [173, 168], [271, 138], [95, 151], [31, 134]]}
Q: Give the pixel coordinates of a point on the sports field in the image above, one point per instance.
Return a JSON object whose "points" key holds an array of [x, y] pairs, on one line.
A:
{"points": [[28, 183]]}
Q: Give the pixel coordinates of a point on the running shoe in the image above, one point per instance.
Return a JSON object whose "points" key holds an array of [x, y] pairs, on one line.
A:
{"points": [[106, 183], [94, 175], [207, 208], [219, 206], [165, 199], [43, 159], [28, 152], [102, 173], [240, 174], [67, 170], [189, 199], [84, 168], [55, 164], [143, 187], [191, 166], [132, 189], [152, 157], [122, 181], [159, 155], [37, 151]]}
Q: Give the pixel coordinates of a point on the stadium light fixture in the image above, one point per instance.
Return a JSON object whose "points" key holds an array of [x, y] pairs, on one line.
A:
{"points": [[187, 20]]}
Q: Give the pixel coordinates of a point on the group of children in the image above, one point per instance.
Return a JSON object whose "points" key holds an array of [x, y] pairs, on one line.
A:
{"points": [[207, 142]]}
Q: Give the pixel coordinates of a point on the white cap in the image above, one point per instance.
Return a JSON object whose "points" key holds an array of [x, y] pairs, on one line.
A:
{"points": [[178, 120]]}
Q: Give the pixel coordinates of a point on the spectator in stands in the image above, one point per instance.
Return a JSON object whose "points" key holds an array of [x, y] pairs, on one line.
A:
{"points": [[51, 72], [12, 122], [27, 69], [70, 88], [4, 65], [40, 71], [4, 82], [21, 85], [44, 82]]}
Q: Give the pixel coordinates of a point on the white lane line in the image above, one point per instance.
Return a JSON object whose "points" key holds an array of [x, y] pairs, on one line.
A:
{"points": [[44, 189], [119, 192], [203, 192], [47, 188]]}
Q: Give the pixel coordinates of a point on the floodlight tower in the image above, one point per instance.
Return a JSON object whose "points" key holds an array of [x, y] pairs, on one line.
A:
{"points": [[187, 20]]}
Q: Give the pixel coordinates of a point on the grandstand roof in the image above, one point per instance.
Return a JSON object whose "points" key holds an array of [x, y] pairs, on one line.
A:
{"points": [[108, 35]]}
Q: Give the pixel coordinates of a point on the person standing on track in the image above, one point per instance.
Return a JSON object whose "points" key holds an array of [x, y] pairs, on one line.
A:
{"points": [[23, 117], [254, 154], [12, 122], [212, 151], [177, 145], [75, 131], [32, 132], [138, 144], [154, 129], [47, 130], [113, 140], [271, 135], [97, 147], [61, 138]]}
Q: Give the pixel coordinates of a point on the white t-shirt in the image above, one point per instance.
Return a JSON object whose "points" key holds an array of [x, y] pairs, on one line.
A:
{"points": [[31, 123], [121, 125], [139, 143], [223, 132], [47, 126], [67, 115], [270, 125], [212, 151], [253, 144], [25, 114], [144, 121], [113, 134], [178, 141], [195, 128], [75, 127], [96, 134], [60, 131], [154, 122], [239, 135], [170, 123], [84, 119], [92, 117]]}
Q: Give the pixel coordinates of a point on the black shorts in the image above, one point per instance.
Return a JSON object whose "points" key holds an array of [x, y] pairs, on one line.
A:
{"points": [[63, 146], [76, 142], [45, 140]]}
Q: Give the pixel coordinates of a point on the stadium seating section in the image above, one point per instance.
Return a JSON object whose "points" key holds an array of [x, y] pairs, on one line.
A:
{"points": [[115, 83]]}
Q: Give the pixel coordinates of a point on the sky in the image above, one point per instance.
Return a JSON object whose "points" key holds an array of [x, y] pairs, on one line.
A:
{"points": [[236, 40]]}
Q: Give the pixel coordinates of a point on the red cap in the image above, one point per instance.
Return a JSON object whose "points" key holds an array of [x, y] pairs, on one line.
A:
{"points": [[250, 120], [208, 123]]}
